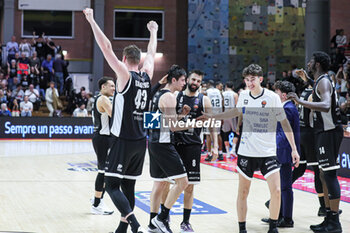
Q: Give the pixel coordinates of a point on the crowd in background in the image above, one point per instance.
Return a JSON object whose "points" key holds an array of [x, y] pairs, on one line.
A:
{"points": [[35, 73]]}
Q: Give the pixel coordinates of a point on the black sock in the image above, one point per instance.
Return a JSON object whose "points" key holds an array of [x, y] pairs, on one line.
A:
{"points": [[273, 224], [133, 223], [161, 207], [164, 214], [97, 201], [187, 213], [103, 193], [321, 200], [335, 216], [122, 228], [241, 226], [152, 215]]}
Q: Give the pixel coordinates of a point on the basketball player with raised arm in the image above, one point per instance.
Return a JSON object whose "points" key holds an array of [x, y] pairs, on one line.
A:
{"points": [[257, 149], [125, 160], [101, 113]]}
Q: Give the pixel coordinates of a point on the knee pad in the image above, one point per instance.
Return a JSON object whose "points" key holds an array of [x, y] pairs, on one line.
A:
{"points": [[332, 184]]}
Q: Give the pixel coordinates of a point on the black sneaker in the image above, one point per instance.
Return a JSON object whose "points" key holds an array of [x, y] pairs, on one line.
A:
{"points": [[208, 158], [322, 212], [274, 230], [285, 223], [221, 157], [317, 227], [331, 227], [265, 220]]}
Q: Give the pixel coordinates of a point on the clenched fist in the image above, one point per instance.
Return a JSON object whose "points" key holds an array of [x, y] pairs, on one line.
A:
{"points": [[89, 14], [152, 26]]}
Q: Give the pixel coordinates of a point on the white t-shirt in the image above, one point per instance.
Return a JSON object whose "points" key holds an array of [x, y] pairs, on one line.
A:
{"points": [[26, 106], [215, 99], [32, 97], [80, 113], [260, 116]]}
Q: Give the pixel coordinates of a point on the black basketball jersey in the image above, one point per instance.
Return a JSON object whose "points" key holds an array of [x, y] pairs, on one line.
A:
{"points": [[324, 121], [129, 105], [304, 113], [100, 120], [196, 103], [162, 135]]}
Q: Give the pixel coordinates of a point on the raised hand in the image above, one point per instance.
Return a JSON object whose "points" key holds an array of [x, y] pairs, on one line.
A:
{"points": [[89, 14], [152, 26]]}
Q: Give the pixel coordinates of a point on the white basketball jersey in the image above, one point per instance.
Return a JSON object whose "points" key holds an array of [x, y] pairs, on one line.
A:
{"points": [[260, 116], [229, 99], [215, 99]]}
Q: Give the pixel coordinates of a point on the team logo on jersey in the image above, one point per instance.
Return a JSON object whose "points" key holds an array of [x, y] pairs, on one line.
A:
{"points": [[243, 162], [245, 102], [151, 120], [263, 103], [196, 101], [120, 168]]}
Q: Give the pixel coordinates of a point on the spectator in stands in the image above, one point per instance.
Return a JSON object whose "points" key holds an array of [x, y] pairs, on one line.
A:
{"points": [[339, 60], [80, 111], [51, 47], [33, 96], [90, 103], [34, 77], [15, 83], [34, 60], [58, 66], [81, 97], [333, 40], [17, 57], [51, 92], [26, 107], [11, 48], [47, 67], [341, 86], [25, 82], [40, 46], [15, 109], [341, 39], [3, 97], [4, 110], [12, 72], [18, 93], [25, 48]]}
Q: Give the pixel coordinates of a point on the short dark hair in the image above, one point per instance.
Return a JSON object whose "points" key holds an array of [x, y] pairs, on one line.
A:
{"points": [[175, 72], [322, 58], [103, 80], [284, 86], [197, 72], [218, 83], [211, 83], [132, 53], [252, 69], [229, 84]]}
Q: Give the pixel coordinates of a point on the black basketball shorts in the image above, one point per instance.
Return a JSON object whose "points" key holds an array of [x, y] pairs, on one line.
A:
{"points": [[165, 162], [125, 159], [191, 158]]}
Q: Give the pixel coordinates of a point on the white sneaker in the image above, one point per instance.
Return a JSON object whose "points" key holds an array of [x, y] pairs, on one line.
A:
{"points": [[101, 209], [141, 230], [162, 226]]}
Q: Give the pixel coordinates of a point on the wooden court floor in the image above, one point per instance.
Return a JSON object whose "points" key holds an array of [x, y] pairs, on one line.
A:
{"points": [[46, 187]]}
